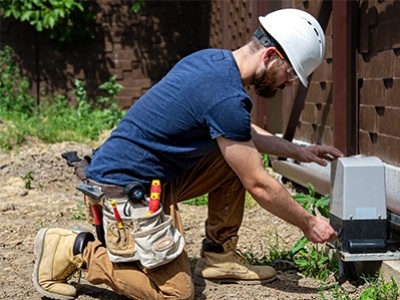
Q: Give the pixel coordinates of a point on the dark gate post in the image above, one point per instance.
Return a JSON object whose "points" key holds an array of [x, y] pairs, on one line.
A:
{"points": [[345, 102]]}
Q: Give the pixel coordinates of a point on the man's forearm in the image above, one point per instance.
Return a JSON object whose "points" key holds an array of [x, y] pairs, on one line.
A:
{"points": [[268, 143]]}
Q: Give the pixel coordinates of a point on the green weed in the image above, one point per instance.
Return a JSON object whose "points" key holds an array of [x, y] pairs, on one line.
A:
{"points": [[28, 178], [273, 254], [378, 289], [78, 213], [312, 203], [375, 289], [14, 88], [137, 5], [313, 260]]}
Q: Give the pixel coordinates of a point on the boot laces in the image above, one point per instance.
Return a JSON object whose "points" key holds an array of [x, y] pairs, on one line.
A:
{"points": [[78, 275], [239, 257], [236, 253], [73, 270]]}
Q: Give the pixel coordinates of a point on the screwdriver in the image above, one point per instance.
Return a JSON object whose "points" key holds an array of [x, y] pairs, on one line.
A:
{"points": [[116, 214]]}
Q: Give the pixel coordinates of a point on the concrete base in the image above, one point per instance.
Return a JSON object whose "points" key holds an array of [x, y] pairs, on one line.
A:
{"points": [[391, 269]]}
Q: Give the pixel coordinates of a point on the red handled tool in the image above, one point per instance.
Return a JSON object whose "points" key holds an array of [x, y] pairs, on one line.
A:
{"points": [[95, 197], [116, 214], [155, 196]]}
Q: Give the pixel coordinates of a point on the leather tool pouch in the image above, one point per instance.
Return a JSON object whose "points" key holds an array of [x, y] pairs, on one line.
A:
{"points": [[150, 239]]}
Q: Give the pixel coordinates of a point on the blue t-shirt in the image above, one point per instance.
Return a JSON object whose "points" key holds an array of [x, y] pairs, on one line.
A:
{"points": [[176, 123]]}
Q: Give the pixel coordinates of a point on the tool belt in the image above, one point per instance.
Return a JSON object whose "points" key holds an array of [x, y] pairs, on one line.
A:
{"points": [[128, 232], [109, 190]]}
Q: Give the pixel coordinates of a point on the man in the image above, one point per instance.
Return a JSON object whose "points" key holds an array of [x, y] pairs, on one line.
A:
{"points": [[193, 132]]}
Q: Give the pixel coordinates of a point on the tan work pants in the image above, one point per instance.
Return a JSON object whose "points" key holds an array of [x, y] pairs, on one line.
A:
{"points": [[173, 281]]}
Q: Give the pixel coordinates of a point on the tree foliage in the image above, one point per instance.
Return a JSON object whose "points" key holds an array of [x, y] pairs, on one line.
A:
{"points": [[60, 18]]}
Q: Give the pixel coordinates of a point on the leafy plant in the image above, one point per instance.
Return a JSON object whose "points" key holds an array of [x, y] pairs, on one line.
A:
{"points": [[14, 88], [78, 213], [137, 5], [63, 19], [43, 14], [265, 160], [28, 178], [313, 261], [249, 201], [109, 112], [275, 253], [312, 203], [376, 289], [111, 87], [87, 120], [10, 135]]}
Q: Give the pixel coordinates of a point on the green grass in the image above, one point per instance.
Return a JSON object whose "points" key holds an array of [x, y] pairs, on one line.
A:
{"points": [[375, 288], [202, 200], [54, 119], [198, 201]]}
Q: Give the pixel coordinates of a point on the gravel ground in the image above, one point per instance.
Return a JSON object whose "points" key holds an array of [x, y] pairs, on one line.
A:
{"points": [[53, 201]]}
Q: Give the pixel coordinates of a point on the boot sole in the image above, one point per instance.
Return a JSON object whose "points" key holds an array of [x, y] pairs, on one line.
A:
{"points": [[38, 251], [200, 281]]}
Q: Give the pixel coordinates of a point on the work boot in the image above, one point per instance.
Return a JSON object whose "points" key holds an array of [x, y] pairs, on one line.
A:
{"points": [[225, 264], [58, 256]]}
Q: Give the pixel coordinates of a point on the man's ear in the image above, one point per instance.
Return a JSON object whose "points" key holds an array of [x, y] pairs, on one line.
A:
{"points": [[268, 53]]}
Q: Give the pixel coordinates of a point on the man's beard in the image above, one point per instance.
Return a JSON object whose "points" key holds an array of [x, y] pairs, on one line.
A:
{"points": [[265, 83]]}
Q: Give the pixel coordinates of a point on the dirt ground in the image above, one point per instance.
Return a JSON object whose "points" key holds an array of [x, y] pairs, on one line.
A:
{"points": [[53, 201]]}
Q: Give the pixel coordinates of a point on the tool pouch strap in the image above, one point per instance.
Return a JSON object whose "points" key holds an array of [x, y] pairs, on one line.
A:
{"points": [[79, 164], [80, 167], [151, 239], [109, 190]]}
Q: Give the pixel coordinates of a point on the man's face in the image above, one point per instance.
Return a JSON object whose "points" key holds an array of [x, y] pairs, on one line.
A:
{"points": [[265, 82], [274, 75]]}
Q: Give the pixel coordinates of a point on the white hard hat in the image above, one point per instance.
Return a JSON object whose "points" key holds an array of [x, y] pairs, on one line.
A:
{"points": [[300, 36]]}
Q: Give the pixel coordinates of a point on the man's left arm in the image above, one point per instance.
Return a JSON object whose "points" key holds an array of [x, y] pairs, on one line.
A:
{"points": [[271, 144]]}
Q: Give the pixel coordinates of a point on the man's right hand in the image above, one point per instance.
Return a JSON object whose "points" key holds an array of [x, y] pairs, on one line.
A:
{"points": [[320, 231]]}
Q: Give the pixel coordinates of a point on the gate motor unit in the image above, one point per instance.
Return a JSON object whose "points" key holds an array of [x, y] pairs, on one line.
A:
{"points": [[358, 210]]}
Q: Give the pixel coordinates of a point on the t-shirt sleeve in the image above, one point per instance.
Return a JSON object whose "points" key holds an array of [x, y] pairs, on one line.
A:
{"points": [[230, 119]]}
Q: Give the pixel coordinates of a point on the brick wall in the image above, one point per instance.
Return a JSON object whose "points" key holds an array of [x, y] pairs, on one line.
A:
{"points": [[379, 80]]}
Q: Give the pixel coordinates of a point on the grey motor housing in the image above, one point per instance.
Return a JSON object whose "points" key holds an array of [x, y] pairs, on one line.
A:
{"points": [[358, 204]]}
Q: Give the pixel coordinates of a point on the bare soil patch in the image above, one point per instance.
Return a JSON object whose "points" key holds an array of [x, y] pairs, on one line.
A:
{"points": [[53, 201]]}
